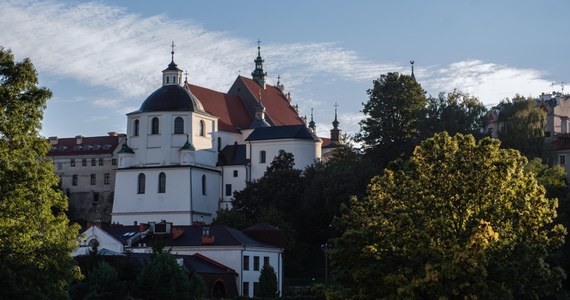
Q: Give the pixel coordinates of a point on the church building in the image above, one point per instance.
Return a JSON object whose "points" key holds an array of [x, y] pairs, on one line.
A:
{"points": [[188, 148]]}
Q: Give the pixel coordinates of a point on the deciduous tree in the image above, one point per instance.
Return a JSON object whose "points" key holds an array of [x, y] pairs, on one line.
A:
{"points": [[36, 239], [459, 219], [523, 124], [455, 112]]}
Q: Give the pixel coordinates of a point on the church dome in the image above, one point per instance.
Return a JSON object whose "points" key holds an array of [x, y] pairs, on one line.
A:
{"points": [[172, 98]]}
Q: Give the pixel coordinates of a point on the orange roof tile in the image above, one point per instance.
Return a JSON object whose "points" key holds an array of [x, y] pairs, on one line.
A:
{"points": [[277, 107], [229, 109]]}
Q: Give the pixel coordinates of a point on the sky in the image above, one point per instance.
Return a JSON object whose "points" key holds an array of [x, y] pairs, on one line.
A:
{"points": [[101, 59]]}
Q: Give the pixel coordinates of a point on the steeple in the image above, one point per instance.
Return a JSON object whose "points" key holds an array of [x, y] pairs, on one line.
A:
{"points": [[259, 120], [172, 75], [312, 125], [413, 76], [335, 132], [258, 74]]}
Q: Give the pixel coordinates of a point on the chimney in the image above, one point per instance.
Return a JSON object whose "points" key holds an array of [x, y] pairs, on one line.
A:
{"points": [[563, 125], [53, 140], [79, 139], [177, 232], [207, 237]]}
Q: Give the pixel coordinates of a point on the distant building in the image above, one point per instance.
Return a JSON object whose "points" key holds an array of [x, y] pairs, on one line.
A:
{"points": [[86, 168], [190, 148], [233, 258]]}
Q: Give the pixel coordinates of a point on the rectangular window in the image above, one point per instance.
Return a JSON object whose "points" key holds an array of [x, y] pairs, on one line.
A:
{"points": [[114, 161], [266, 261], [74, 180], [255, 288], [246, 262], [235, 173], [228, 189], [245, 290], [562, 160], [107, 178], [256, 263], [93, 179], [100, 161], [93, 162], [262, 157], [84, 162], [95, 197], [72, 162]]}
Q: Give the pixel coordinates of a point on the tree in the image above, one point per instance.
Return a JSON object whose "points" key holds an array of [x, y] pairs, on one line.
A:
{"points": [[163, 278], [523, 126], [455, 112], [35, 236], [267, 283], [103, 283], [394, 114], [459, 219]]}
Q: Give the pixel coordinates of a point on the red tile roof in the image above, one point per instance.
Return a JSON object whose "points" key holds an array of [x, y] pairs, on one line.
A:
{"points": [[88, 146], [228, 108], [277, 107]]}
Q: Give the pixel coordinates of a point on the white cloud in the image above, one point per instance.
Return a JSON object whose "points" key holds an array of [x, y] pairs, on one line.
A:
{"points": [[107, 47], [488, 81]]}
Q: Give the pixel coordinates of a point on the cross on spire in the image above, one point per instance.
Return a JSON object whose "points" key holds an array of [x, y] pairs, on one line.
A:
{"points": [[186, 76], [335, 122], [172, 52]]}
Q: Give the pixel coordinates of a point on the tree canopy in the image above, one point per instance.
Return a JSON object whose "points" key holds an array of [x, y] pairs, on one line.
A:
{"points": [[459, 219], [455, 112], [267, 283], [524, 126], [394, 115], [36, 239]]}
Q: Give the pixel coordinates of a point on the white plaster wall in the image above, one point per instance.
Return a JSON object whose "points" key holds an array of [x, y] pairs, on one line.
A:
{"points": [[175, 205], [305, 152]]}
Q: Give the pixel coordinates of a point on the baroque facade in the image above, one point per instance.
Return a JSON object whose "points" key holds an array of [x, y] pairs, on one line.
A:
{"points": [[189, 148]]}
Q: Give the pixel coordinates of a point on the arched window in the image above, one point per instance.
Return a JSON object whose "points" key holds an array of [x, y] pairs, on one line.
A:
{"points": [[154, 129], [162, 182], [262, 156], [173, 79], [204, 185], [141, 184], [136, 128], [167, 79], [202, 128], [178, 125], [219, 144]]}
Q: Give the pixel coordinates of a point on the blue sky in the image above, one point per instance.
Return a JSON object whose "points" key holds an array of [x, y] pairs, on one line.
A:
{"points": [[102, 59]]}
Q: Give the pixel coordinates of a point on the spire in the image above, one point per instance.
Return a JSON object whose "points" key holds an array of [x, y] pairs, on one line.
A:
{"points": [[258, 74], [172, 75], [335, 132], [413, 76], [186, 77], [335, 122], [259, 120], [188, 145], [312, 125]]}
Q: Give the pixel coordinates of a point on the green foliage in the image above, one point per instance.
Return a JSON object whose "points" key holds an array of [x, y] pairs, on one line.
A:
{"points": [[455, 112], [163, 278], [394, 115], [197, 286], [267, 283], [103, 283], [459, 219], [35, 237], [524, 123]]}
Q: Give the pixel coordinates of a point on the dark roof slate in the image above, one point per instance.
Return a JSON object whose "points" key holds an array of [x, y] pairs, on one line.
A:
{"points": [[171, 98], [282, 132], [232, 155]]}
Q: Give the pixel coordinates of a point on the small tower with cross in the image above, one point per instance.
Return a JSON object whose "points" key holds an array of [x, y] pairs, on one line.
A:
{"points": [[258, 74], [172, 75], [335, 132]]}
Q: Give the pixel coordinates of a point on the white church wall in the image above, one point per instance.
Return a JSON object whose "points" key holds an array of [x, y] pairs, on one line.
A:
{"points": [[304, 153]]}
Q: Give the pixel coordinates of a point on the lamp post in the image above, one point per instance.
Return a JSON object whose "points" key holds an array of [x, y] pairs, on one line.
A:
{"points": [[325, 247]]}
